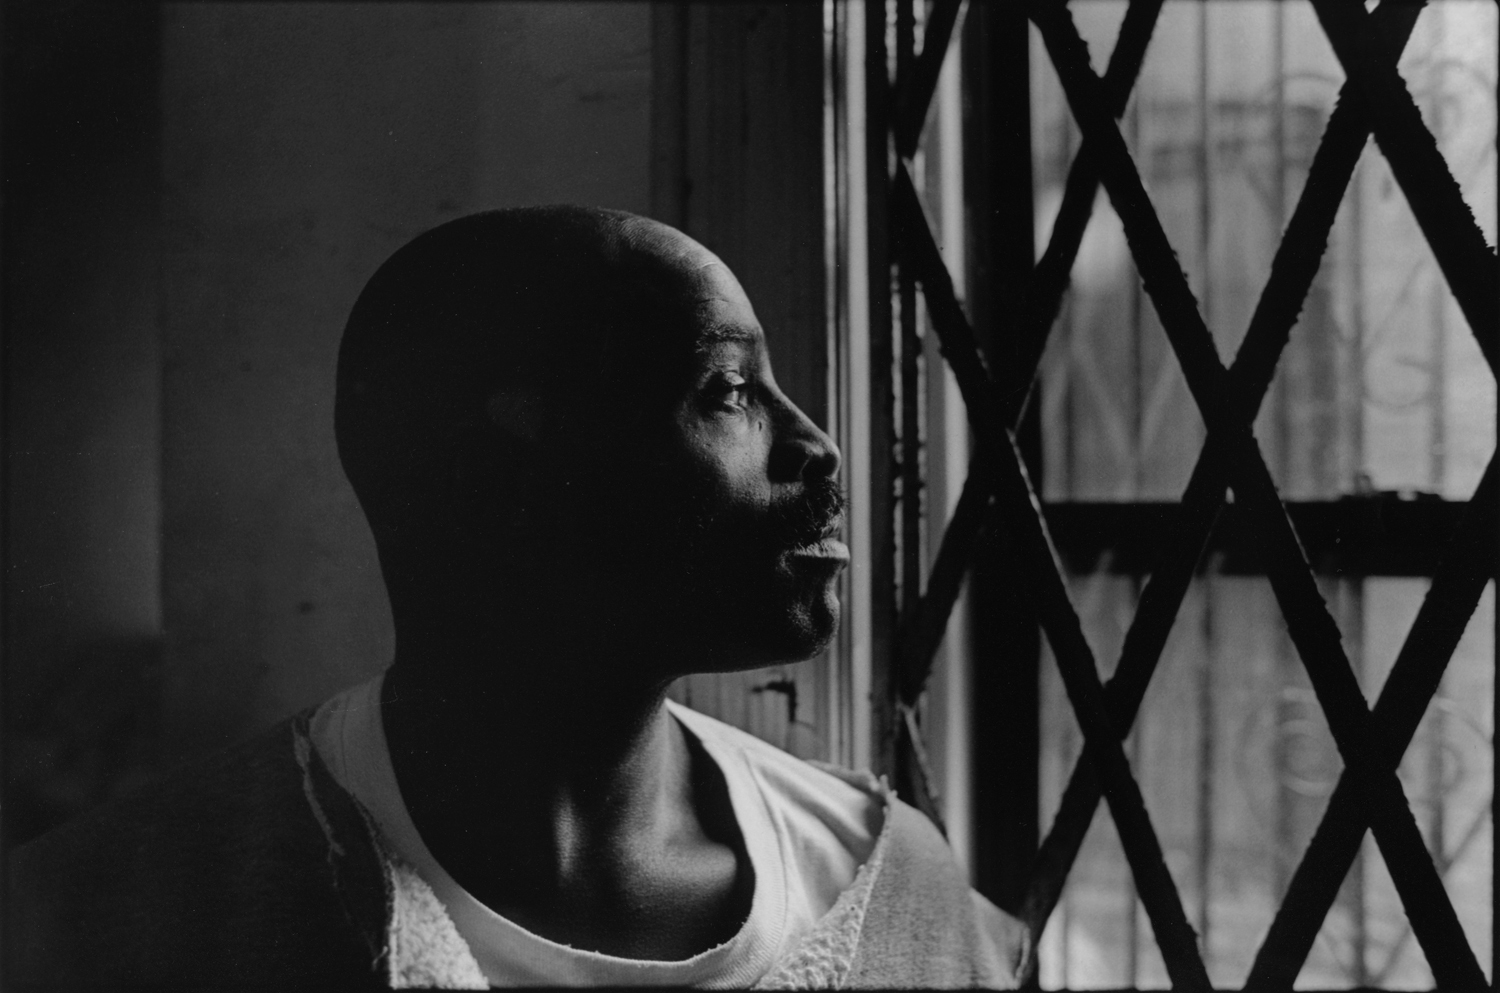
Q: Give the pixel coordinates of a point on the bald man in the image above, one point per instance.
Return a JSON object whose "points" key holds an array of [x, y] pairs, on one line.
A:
{"points": [[583, 483]]}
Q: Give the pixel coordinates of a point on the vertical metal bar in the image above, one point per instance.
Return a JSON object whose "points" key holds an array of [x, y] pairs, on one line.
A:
{"points": [[837, 248], [882, 566], [948, 457], [911, 369], [909, 425], [1007, 645]]}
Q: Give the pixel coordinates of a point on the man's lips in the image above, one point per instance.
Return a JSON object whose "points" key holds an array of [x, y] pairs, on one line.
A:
{"points": [[827, 548]]}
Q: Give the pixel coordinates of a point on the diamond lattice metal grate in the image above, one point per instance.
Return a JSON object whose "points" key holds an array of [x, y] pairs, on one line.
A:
{"points": [[1373, 101]]}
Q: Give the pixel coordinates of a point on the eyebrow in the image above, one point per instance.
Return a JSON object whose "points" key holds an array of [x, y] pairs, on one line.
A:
{"points": [[716, 334]]}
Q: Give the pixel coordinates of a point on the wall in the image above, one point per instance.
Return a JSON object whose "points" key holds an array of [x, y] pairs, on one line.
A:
{"points": [[82, 616], [301, 146], [195, 194]]}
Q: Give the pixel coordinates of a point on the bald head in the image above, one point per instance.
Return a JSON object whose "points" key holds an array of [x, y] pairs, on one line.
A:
{"points": [[517, 321], [557, 405]]}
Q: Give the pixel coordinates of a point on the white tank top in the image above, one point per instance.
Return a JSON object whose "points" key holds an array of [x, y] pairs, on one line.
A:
{"points": [[807, 833]]}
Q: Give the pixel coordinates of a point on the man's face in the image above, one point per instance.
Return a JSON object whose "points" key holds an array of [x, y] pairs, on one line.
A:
{"points": [[733, 505]]}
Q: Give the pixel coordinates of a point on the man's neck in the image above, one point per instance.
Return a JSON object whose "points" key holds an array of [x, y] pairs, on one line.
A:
{"points": [[555, 802]]}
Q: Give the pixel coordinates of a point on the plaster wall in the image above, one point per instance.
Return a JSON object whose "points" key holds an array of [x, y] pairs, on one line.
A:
{"points": [[301, 145]]}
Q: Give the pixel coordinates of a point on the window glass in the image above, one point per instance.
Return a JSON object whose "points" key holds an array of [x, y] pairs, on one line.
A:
{"points": [[1381, 388]]}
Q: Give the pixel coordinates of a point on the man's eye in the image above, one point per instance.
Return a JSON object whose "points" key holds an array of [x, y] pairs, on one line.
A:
{"points": [[733, 393]]}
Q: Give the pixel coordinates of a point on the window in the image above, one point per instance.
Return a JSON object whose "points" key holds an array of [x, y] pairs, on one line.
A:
{"points": [[1261, 588]]}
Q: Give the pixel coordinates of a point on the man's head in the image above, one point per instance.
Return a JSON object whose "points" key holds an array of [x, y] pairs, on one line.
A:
{"points": [[562, 421]]}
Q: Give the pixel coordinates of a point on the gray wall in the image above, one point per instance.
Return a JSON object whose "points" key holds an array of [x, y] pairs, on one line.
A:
{"points": [[81, 366], [301, 145], [195, 194]]}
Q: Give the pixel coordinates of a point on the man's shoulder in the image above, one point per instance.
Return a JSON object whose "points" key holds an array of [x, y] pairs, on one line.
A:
{"points": [[174, 882], [925, 925], [851, 802], [763, 754]]}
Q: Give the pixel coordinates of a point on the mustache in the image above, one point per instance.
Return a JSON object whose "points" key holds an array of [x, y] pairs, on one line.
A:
{"points": [[811, 515]]}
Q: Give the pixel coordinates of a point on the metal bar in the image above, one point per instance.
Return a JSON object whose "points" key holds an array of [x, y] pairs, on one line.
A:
{"points": [[1050, 277], [1004, 637], [1378, 535], [1436, 201], [1144, 642], [1292, 272], [923, 783], [840, 702], [909, 779], [1306, 237], [922, 630], [1044, 296], [1154, 257], [911, 370], [1309, 624], [882, 566], [916, 86], [1469, 562], [1075, 659]]}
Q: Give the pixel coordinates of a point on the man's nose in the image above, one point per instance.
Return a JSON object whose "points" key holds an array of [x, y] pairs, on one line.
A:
{"points": [[802, 450]]}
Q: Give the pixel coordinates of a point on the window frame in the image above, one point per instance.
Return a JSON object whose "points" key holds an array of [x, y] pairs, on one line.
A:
{"points": [[987, 338]]}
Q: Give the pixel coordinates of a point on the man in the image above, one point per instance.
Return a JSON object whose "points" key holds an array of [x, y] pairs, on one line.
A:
{"points": [[583, 482]]}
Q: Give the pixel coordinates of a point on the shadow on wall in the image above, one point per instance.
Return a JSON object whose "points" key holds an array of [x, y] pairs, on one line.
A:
{"points": [[194, 196], [83, 734]]}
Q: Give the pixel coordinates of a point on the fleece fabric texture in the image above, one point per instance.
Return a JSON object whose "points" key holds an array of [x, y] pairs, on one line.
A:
{"points": [[255, 869]]}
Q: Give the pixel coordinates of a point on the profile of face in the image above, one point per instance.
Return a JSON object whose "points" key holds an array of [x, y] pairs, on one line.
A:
{"points": [[563, 427], [723, 537]]}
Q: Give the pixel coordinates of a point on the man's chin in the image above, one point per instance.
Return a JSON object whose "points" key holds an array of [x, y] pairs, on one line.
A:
{"points": [[802, 632], [795, 633]]}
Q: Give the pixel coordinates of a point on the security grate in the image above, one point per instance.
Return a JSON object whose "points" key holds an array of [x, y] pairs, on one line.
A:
{"points": [[998, 492]]}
